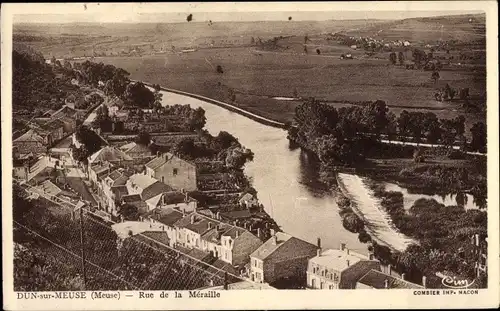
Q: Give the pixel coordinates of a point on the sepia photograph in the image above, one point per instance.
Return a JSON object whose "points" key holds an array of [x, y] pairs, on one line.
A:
{"points": [[203, 148]]}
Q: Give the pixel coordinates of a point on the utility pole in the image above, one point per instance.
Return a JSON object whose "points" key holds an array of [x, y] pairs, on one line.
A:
{"points": [[225, 281], [80, 206]]}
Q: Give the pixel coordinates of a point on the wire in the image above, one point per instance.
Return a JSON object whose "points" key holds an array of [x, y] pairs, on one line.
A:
{"points": [[42, 193], [72, 253]]}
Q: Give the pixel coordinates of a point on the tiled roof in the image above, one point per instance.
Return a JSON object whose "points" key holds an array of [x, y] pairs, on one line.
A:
{"points": [[131, 198], [167, 216], [154, 189], [162, 159], [49, 188], [30, 136], [160, 236], [109, 153], [65, 111], [156, 162], [270, 247], [337, 259], [377, 279], [135, 148], [236, 214], [142, 181], [52, 125]]}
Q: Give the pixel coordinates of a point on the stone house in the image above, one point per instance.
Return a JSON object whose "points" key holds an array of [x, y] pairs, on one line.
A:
{"points": [[174, 171], [29, 142], [281, 257], [338, 268], [225, 242]]}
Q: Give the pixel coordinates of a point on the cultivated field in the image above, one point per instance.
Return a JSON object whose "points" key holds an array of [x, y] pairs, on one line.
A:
{"points": [[252, 77]]}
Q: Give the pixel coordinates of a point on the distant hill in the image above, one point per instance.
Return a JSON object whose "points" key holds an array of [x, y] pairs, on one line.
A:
{"points": [[463, 28]]}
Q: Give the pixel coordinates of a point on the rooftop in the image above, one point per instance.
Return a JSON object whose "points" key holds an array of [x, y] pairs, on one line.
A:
{"points": [[162, 159], [377, 279], [109, 153], [271, 245], [29, 136], [131, 198], [167, 216], [337, 259], [142, 181], [154, 189]]}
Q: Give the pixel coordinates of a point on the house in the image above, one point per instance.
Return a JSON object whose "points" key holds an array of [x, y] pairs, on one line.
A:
{"points": [[97, 170], [29, 142], [68, 112], [375, 279], [47, 188], [166, 217], [248, 200], [174, 171], [69, 124], [54, 131], [109, 154], [226, 242], [282, 256], [135, 150], [138, 182], [173, 199], [338, 268], [113, 188]]}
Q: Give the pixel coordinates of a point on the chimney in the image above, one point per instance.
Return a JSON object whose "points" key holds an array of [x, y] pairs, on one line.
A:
{"points": [[318, 252], [273, 232], [424, 281], [274, 240], [237, 233], [348, 263], [347, 250], [386, 283], [389, 269], [250, 228], [192, 219], [319, 242], [186, 198], [403, 276], [342, 246], [217, 216], [258, 232]]}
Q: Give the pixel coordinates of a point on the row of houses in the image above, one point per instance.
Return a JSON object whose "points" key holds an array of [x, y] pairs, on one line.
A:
{"points": [[45, 131]]}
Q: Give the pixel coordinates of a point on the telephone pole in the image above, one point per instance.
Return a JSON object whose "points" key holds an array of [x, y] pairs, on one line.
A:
{"points": [[80, 206]]}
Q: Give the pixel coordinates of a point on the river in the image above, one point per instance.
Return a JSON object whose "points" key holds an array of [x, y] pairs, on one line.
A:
{"points": [[286, 180]]}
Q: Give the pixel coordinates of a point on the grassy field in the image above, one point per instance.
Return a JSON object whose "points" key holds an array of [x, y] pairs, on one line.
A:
{"points": [[252, 77], [255, 78]]}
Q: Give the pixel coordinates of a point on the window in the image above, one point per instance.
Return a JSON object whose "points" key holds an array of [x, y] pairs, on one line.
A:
{"points": [[163, 179], [175, 171], [313, 283]]}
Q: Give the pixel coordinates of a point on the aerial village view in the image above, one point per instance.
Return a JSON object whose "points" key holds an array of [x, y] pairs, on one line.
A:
{"points": [[196, 151]]}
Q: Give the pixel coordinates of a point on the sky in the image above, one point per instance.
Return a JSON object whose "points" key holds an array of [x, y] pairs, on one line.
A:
{"points": [[221, 12]]}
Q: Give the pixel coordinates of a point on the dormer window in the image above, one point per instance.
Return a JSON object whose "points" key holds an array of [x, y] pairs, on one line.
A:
{"points": [[175, 172]]}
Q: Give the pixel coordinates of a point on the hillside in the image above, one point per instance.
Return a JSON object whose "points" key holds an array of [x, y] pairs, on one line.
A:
{"points": [[63, 40], [462, 28]]}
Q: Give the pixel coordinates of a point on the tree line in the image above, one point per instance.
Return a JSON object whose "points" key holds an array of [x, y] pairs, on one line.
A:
{"points": [[347, 135]]}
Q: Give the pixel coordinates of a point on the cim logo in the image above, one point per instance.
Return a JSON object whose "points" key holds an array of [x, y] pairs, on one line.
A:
{"points": [[456, 283]]}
